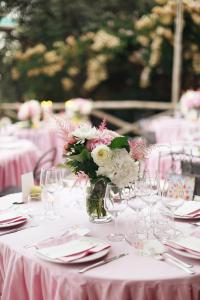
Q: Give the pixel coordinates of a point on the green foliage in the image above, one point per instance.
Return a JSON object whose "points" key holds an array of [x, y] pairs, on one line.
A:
{"points": [[119, 143]]}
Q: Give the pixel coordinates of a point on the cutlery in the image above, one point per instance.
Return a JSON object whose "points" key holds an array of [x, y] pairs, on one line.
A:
{"points": [[102, 262], [17, 229], [196, 223], [181, 262], [175, 263]]}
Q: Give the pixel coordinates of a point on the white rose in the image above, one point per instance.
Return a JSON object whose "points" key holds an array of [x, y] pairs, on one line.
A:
{"points": [[85, 132], [101, 155]]}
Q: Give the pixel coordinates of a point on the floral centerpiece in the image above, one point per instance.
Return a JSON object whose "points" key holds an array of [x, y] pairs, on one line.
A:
{"points": [[30, 111], [190, 105], [77, 110], [100, 156]]}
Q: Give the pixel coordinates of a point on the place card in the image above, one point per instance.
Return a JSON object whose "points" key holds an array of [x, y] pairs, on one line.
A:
{"points": [[27, 184]]}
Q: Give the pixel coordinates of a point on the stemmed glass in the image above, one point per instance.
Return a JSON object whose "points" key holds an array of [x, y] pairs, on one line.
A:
{"points": [[172, 203], [115, 203], [136, 231], [151, 191], [53, 184]]}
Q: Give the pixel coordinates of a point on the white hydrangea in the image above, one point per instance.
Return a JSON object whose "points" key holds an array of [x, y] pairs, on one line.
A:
{"points": [[85, 132], [121, 169], [101, 155]]}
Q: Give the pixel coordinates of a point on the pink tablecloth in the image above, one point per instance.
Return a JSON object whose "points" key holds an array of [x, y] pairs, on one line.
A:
{"points": [[44, 138], [171, 129], [16, 158], [24, 276]]}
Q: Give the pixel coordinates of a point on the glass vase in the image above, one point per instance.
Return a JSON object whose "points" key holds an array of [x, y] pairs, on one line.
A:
{"points": [[95, 202]]}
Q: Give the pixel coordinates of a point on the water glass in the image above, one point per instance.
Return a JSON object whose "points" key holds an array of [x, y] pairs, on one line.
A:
{"points": [[115, 203]]}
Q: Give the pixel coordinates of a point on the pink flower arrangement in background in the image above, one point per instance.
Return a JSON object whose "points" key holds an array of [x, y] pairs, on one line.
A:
{"points": [[190, 104], [78, 106], [29, 111]]}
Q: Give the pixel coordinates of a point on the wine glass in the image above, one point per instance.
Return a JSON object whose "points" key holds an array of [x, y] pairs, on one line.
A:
{"points": [[136, 231], [53, 184], [172, 199], [115, 203], [151, 187]]}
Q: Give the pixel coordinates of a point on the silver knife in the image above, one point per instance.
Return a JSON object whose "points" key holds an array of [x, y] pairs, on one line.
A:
{"points": [[102, 262], [173, 262], [17, 229], [184, 264]]}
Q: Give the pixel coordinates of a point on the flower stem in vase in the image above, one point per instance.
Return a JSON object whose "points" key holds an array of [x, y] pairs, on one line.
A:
{"points": [[95, 202]]}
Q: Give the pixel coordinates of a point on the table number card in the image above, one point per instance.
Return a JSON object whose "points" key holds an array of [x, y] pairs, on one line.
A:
{"points": [[181, 186], [27, 184]]}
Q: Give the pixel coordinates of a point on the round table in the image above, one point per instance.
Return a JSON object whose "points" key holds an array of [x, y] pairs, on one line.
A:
{"points": [[16, 158], [26, 276], [172, 129]]}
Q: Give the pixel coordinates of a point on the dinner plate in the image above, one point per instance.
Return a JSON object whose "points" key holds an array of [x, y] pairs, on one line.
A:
{"points": [[13, 224], [85, 259]]}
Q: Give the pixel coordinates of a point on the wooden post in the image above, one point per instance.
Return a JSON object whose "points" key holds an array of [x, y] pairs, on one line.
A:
{"points": [[177, 56]]}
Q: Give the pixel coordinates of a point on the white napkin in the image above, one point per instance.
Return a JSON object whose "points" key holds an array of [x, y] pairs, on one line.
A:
{"points": [[189, 209], [69, 248]]}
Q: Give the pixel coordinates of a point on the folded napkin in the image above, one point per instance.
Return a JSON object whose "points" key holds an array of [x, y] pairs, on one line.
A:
{"points": [[190, 209], [10, 217], [73, 249], [189, 244]]}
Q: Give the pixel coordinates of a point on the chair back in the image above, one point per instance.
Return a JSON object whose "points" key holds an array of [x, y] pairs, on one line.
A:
{"points": [[46, 160]]}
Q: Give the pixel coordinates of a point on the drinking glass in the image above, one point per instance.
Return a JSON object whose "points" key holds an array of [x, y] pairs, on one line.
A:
{"points": [[115, 203], [150, 192], [53, 184], [172, 203]]}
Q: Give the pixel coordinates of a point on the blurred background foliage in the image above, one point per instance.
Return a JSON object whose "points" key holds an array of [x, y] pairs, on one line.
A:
{"points": [[108, 50]]}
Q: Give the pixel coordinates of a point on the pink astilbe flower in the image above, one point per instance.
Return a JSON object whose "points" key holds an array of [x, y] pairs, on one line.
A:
{"points": [[103, 125], [65, 131], [138, 149]]}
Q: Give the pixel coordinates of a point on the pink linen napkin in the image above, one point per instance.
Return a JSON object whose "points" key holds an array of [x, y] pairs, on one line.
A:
{"points": [[10, 218], [96, 249], [190, 209], [190, 245], [71, 248]]}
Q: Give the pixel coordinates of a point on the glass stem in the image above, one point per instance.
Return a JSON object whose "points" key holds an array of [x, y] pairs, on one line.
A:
{"points": [[116, 224]]}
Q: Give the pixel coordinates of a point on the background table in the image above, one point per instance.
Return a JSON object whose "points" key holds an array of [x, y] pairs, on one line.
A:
{"points": [[44, 138], [172, 129], [24, 276], [16, 158]]}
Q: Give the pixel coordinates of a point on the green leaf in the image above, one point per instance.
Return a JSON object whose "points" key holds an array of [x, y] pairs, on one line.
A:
{"points": [[120, 142], [83, 156]]}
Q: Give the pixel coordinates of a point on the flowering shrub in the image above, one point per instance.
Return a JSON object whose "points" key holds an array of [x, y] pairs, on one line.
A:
{"points": [[101, 153], [190, 104], [126, 55]]}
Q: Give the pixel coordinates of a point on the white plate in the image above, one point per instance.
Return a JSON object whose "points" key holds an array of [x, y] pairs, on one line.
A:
{"points": [[85, 259], [13, 224], [184, 253]]}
